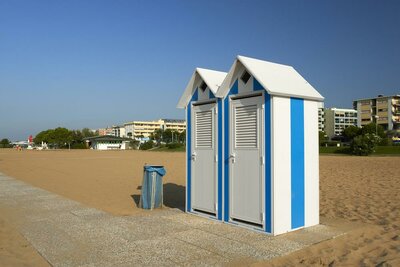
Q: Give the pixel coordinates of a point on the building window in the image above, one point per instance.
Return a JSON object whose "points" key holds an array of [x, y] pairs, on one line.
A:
{"points": [[245, 77], [203, 86]]}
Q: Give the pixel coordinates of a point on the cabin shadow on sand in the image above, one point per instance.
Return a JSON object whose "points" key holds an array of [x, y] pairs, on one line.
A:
{"points": [[174, 196]]}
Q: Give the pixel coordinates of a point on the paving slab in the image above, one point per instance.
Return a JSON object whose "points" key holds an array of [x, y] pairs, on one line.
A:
{"points": [[67, 233]]}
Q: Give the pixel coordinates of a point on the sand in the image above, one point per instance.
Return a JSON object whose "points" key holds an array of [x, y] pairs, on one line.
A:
{"points": [[15, 250], [106, 180], [364, 190], [357, 189]]}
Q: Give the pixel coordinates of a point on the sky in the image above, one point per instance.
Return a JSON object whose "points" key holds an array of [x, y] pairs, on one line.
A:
{"points": [[81, 63]]}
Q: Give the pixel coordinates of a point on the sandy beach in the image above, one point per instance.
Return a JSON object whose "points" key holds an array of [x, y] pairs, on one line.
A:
{"points": [[355, 189]]}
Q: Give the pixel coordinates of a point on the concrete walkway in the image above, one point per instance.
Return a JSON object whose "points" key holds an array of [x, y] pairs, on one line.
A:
{"points": [[67, 233]]}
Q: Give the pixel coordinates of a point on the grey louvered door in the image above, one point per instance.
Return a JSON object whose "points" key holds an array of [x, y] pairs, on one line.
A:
{"points": [[203, 158], [246, 160]]}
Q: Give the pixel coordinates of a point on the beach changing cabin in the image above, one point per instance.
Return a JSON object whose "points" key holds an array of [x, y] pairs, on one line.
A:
{"points": [[271, 166], [265, 169], [203, 143]]}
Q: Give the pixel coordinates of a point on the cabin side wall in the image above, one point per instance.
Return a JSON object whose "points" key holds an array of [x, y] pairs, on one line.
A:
{"points": [[281, 165], [295, 164]]}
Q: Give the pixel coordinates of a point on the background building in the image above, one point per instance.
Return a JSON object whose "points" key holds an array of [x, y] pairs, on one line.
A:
{"points": [[385, 110], [338, 119], [138, 129], [107, 143], [174, 125], [115, 130], [118, 131], [321, 117], [105, 131]]}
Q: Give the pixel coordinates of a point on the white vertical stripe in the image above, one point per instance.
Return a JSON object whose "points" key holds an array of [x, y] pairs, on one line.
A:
{"points": [[186, 161], [311, 163], [281, 165]]}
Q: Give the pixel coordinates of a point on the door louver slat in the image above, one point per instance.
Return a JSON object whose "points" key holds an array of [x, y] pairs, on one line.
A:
{"points": [[246, 127], [204, 129]]}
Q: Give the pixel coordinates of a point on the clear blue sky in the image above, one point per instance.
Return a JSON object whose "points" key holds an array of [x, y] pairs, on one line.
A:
{"points": [[97, 63]]}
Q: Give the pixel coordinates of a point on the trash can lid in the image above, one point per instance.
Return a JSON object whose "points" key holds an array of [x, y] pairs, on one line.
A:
{"points": [[155, 168]]}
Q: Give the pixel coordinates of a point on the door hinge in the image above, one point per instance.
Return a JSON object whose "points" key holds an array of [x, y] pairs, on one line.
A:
{"points": [[262, 160], [262, 216], [216, 110], [216, 158], [216, 206]]}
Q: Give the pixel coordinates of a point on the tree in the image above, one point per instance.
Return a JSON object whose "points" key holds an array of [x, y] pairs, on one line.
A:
{"points": [[77, 136], [350, 132], [322, 137], [371, 129], [167, 136], [147, 145], [158, 136], [44, 136], [59, 137], [86, 132], [182, 136], [62, 137], [4, 143]]}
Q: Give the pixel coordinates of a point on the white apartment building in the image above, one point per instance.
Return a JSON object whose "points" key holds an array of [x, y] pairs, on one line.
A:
{"points": [[338, 119], [140, 129], [384, 110], [321, 117], [118, 131]]}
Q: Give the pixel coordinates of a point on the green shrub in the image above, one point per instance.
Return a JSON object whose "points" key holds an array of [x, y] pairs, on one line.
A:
{"points": [[385, 141], [174, 145], [78, 146], [147, 145], [330, 143], [5, 143], [364, 145], [134, 144]]}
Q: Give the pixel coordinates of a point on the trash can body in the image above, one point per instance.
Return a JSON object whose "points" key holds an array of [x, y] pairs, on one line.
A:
{"points": [[152, 187]]}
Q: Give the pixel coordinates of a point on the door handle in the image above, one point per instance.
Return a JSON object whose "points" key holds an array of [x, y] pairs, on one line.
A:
{"points": [[232, 156]]}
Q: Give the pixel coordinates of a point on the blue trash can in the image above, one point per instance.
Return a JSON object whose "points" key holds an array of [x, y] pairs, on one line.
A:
{"points": [[152, 187]]}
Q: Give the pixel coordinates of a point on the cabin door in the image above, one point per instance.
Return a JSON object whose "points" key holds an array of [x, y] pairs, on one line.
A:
{"points": [[204, 155], [246, 160]]}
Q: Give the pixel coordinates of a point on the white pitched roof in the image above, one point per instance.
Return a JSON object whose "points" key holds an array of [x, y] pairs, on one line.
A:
{"points": [[277, 79], [212, 78]]}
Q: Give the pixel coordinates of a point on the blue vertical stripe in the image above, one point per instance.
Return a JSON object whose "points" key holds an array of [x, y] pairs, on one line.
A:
{"points": [[219, 159], [189, 152], [257, 86], [189, 161], [297, 161], [268, 160], [267, 130], [210, 94], [234, 90]]}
